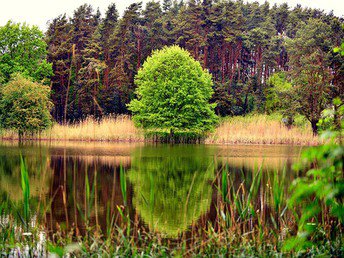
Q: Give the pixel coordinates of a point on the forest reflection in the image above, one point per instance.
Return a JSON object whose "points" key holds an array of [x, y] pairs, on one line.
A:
{"points": [[170, 189]]}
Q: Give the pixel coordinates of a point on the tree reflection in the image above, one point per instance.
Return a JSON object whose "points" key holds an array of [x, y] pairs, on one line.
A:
{"points": [[172, 189], [11, 195]]}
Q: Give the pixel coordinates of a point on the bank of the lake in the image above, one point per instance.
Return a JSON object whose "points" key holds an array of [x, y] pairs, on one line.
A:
{"points": [[252, 129]]}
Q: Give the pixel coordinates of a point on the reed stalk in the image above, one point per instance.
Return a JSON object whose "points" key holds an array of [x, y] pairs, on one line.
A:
{"points": [[25, 184]]}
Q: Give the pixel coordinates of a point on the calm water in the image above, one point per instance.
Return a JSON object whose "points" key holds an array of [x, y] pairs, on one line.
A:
{"points": [[169, 189]]}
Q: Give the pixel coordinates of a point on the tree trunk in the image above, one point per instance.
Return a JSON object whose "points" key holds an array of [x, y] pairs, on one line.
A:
{"points": [[106, 77], [336, 118], [138, 54], [205, 57], [171, 136], [229, 61], [66, 98], [235, 65], [223, 63], [314, 127], [259, 64], [20, 136], [68, 86], [245, 103]]}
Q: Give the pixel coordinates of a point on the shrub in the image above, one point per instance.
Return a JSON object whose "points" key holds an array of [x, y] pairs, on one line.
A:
{"points": [[25, 106]]}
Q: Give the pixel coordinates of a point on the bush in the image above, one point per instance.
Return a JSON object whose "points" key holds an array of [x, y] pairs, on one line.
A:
{"points": [[320, 190], [25, 106]]}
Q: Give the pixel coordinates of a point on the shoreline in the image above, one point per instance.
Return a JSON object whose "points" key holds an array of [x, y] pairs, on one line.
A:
{"points": [[249, 130], [126, 141]]}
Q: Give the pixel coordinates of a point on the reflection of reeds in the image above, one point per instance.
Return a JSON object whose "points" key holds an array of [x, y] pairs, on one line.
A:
{"points": [[26, 191], [123, 183]]}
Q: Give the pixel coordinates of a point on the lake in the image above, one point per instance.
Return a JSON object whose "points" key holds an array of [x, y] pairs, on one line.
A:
{"points": [[164, 189]]}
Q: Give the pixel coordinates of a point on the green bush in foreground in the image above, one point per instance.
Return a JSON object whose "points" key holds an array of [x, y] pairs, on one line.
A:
{"points": [[173, 94], [320, 194], [24, 106]]}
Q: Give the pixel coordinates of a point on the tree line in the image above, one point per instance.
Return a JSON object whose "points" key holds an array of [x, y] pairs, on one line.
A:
{"points": [[94, 59]]}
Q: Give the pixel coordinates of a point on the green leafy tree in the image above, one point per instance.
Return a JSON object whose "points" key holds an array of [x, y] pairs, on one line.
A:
{"points": [[25, 106], [173, 94], [152, 27], [106, 30], [23, 50], [90, 74], [60, 46], [166, 5], [190, 28], [280, 97], [84, 24], [125, 52], [309, 69], [280, 15]]}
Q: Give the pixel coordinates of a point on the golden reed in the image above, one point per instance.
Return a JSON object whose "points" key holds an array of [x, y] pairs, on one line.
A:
{"points": [[260, 129], [120, 128], [255, 129]]}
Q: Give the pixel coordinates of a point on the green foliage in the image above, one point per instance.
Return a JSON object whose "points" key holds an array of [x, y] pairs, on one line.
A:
{"points": [[25, 106], [278, 95], [173, 93], [332, 119], [320, 190], [340, 49], [23, 50], [309, 61], [241, 44]]}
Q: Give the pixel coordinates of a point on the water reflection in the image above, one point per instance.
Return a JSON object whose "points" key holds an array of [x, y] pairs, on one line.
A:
{"points": [[172, 186], [38, 164], [169, 188]]}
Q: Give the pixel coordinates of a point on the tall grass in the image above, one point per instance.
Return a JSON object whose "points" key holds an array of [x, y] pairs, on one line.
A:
{"points": [[119, 129], [261, 129], [252, 129]]}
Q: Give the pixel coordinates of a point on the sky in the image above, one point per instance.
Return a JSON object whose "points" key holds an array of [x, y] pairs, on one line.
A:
{"points": [[39, 12]]}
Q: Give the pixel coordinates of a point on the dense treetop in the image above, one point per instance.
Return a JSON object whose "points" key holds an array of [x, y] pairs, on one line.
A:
{"points": [[23, 50], [25, 106], [173, 93]]}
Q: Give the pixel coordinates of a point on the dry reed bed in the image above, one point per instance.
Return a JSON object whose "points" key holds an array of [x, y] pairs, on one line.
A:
{"points": [[260, 129], [119, 129], [256, 129]]}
